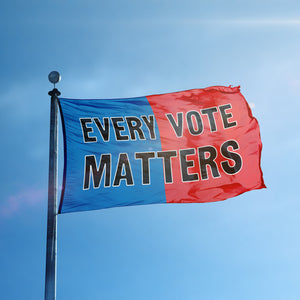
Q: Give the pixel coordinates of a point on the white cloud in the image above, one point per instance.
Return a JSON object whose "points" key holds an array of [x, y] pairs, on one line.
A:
{"points": [[29, 197], [261, 22], [244, 21]]}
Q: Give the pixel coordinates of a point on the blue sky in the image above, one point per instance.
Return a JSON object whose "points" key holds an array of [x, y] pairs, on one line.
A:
{"points": [[243, 248]]}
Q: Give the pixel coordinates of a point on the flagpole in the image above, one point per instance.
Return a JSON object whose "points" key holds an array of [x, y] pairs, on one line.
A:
{"points": [[50, 279]]}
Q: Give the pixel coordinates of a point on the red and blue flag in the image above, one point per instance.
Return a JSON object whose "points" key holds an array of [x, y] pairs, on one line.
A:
{"points": [[199, 145]]}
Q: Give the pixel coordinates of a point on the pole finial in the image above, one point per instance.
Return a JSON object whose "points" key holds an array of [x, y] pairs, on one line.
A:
{"points": [[54, 77]]}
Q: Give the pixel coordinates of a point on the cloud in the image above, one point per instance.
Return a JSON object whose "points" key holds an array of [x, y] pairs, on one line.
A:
{"points": [[29, 197], [258, 22], [246, 21]]}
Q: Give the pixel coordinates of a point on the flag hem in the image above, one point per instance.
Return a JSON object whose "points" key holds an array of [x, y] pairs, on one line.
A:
{"points": [[65, 159]]}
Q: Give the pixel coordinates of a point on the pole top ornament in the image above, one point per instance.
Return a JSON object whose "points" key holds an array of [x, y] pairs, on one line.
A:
{"points": [[54, 77]]}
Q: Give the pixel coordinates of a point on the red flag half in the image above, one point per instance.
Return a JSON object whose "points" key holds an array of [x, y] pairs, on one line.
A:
{"points": [[216, 140]]}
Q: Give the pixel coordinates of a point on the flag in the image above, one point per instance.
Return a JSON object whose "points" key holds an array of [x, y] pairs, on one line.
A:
{"points": [[199, 145]]}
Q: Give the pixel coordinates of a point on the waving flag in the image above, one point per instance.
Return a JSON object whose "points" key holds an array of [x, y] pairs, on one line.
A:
{"points": [[199, 145]]}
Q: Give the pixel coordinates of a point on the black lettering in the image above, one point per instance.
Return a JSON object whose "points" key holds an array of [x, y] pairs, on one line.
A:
{"points": [[166, 155], [86, 130], [134, 125], [210, 114], [123, 164], [150, 125], [205, 160], [185, 164], [190, 123], [232, 156], [103, 130], [145, 156], [178, 127], [97, 172], [226, 116], [118, 129]]}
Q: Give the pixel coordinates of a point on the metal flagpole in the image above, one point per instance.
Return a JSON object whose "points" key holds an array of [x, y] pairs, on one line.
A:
{"points": [[50, 280]]}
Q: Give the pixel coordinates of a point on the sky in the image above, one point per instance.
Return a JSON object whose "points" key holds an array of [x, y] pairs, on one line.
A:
{"points": [[247, 247]]}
